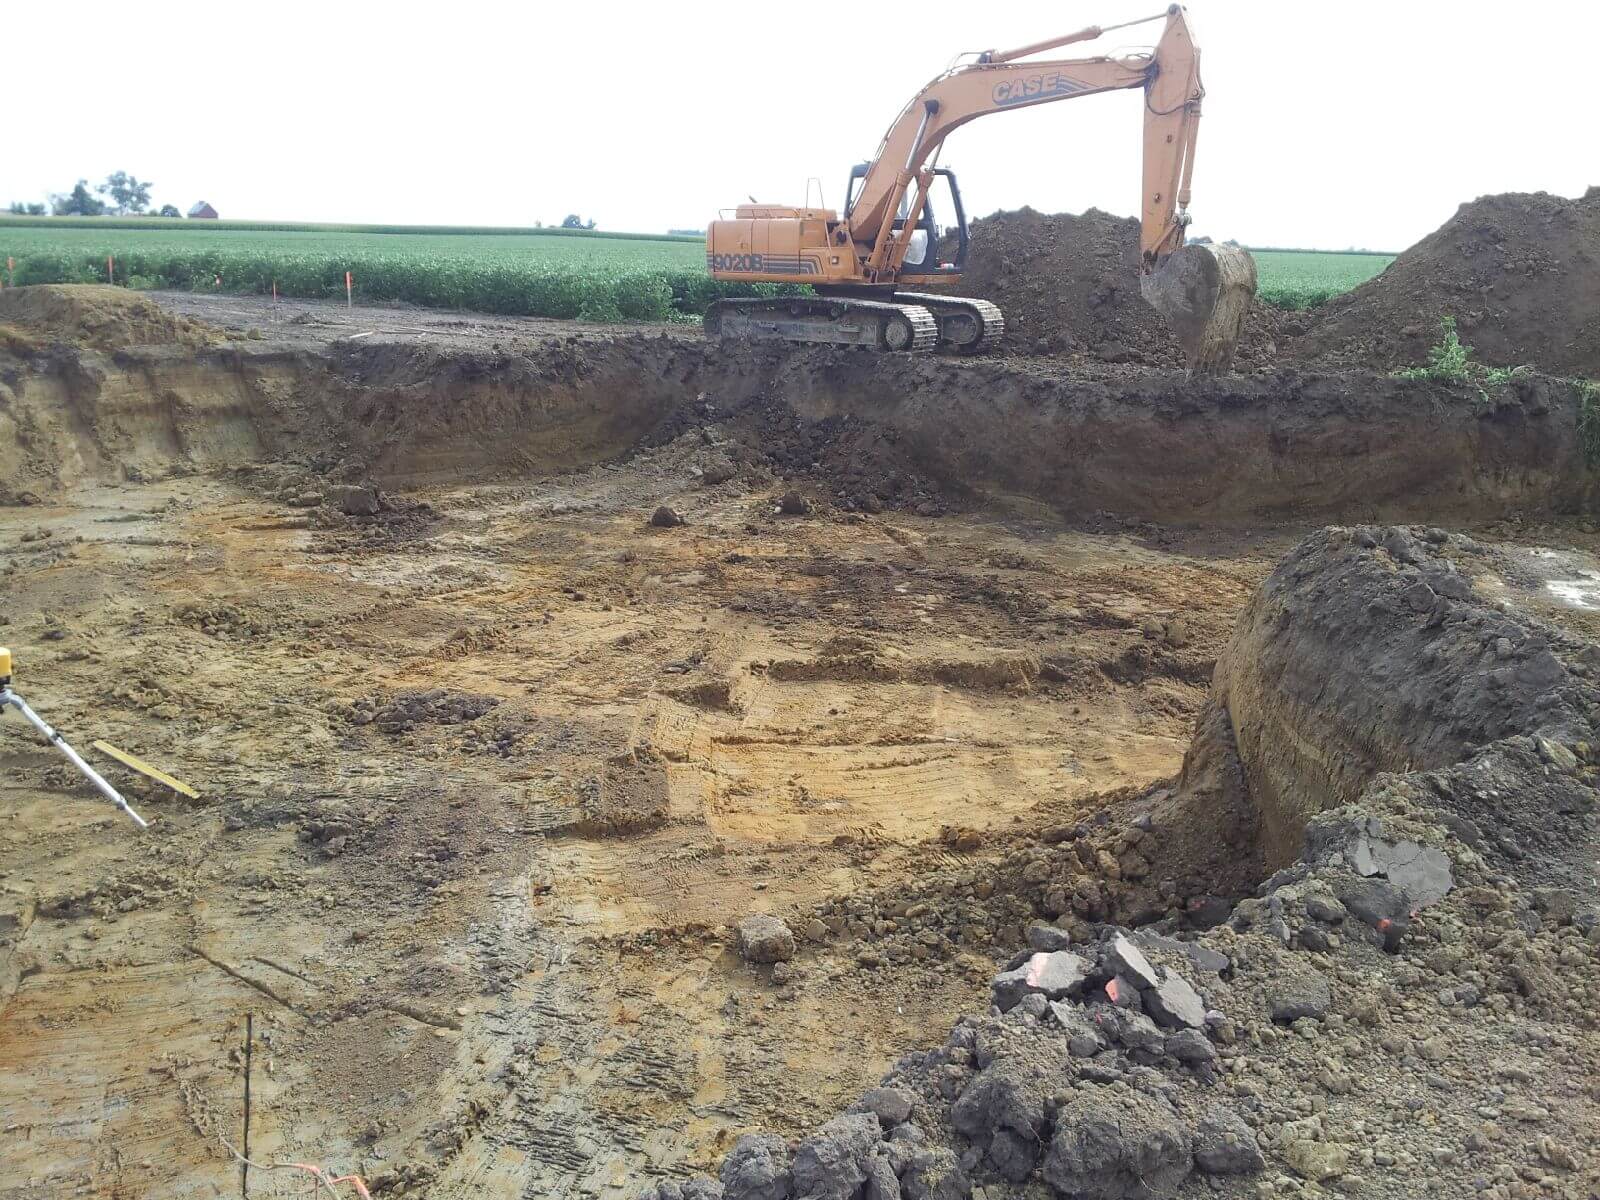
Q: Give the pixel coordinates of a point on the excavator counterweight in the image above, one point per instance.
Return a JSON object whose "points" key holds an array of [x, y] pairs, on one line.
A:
{"points": [[868, 267]]}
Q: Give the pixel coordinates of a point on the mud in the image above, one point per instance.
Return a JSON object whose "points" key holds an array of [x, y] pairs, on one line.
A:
{"points": [[1519, 272], [491, 765]]}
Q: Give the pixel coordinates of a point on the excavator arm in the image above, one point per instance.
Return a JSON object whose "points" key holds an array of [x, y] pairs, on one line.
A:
{"points": [[1203, 291], [856, 263], [998, 82]]}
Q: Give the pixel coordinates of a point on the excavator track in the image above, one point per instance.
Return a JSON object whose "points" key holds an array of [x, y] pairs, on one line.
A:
{"points": [[827, 320], [965, 325]]}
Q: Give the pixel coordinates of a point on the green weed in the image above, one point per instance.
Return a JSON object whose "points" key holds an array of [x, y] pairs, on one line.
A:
{"points": [[1450, 361], [1589, 421]]}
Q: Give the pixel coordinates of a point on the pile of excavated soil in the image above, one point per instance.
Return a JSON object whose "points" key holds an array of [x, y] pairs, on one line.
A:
{"points": [[97, 317], [1069, 285], [1519, 272]]}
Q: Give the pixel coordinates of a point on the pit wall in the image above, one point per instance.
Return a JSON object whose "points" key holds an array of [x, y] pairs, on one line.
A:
{"points": [[1282, 445], [1244, 449], [410, 416], [1368, 651]]}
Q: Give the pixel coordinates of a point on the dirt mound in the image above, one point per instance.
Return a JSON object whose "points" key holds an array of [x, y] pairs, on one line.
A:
{"points": [[1069, 284], [1519, 272], [95, 316]]}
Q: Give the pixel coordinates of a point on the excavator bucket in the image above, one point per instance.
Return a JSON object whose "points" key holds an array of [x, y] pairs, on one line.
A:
{"points": [[1204, 291]]}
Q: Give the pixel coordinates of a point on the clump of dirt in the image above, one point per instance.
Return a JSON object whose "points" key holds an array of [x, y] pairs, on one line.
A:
{"points": [[1519, 272], [94, 316], [402, 711], [1068, 284]]}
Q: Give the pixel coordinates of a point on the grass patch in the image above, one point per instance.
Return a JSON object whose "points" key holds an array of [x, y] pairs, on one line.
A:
{"points": [[1589, 421]]}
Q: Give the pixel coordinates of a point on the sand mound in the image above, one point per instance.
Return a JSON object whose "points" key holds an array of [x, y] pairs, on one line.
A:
{"points": [[91, 315], [1069, 285], [1519, 272]]}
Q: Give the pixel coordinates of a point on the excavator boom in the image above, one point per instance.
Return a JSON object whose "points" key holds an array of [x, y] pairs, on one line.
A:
{"points": [[873, 248]]}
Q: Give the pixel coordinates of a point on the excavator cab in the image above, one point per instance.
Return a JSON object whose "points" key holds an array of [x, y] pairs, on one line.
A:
{"points": [[928, 240]]}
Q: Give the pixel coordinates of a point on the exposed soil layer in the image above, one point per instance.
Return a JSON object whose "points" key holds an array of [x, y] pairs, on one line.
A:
{"points": [[871, 431], [1370, 651], [1519, 272], [1068, 285]]}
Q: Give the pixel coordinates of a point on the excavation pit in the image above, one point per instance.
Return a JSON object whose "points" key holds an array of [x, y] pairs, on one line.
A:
{"points": [[492, 765]]}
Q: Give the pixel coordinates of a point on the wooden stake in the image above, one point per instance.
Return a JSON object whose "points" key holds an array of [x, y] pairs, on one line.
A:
{"points": [[249, 1042], [348, 283], [111, 269]]}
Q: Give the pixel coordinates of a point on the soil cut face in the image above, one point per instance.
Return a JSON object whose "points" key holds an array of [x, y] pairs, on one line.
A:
{"points": [[1519, 272], [490, 768]]}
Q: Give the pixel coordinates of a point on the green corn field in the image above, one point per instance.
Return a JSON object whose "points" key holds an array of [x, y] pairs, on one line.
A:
{"points": [[558, 273]]}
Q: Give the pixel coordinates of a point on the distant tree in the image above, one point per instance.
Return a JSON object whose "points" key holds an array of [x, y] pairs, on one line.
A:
{"points": [[128, 195], [77, 203], [18, 209], [169, 210], [589, 224], [572, 221]]}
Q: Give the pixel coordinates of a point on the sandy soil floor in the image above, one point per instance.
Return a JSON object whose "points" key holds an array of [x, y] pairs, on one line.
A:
{"points": [[497, 942]]}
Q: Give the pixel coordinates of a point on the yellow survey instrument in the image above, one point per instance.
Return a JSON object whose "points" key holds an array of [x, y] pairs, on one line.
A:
{"points": [[144, 768]]}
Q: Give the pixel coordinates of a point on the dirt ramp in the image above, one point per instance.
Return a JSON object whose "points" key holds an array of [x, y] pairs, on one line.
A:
{"points": [[1069, 285], [1519, 272], [94, 316], [1368, 650]]}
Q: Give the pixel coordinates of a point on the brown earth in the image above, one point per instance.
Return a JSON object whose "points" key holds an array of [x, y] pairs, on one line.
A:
{"points": [[1068, 285], [1519, 272], [95, 315], [488, 773]]}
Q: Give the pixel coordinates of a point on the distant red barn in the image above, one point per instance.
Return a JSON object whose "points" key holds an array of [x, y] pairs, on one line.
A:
{"points": [[203, 209]]}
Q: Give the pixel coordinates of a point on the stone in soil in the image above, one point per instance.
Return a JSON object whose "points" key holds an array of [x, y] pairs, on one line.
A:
{"points": [[1225, 1145], [1175, 1004], [765, 939], [1303, 996], [1054, 975]]}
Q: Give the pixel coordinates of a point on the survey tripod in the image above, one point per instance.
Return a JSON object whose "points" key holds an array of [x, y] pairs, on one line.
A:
{"points": [[9, 698]]}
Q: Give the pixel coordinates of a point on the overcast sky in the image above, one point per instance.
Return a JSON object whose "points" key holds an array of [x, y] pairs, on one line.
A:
{"points": [[1357, 123]]}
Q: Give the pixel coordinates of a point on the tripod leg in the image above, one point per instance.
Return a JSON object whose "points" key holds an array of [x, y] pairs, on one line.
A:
{"points": [[7, 696]]}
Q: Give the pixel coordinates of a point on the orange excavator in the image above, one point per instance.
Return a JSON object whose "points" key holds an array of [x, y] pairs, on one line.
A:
{"points": [[865, 267]]}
